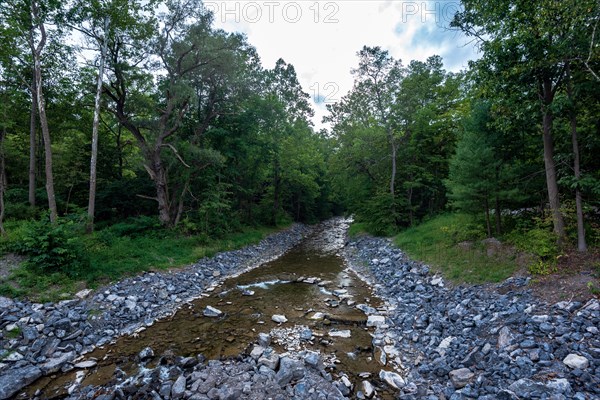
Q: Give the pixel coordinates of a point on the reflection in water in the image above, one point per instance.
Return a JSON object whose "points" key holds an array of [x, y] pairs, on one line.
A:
{"points": [[309, 285]]}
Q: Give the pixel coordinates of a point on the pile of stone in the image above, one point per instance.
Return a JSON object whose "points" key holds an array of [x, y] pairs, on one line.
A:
{"points": [[475, 343]]}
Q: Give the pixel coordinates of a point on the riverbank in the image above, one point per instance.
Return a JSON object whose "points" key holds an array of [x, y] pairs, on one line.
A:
{"points": [[481, 341], [40, 339]]}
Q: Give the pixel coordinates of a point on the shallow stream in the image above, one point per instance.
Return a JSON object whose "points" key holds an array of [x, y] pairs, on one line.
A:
{"points": [[310, 285]]}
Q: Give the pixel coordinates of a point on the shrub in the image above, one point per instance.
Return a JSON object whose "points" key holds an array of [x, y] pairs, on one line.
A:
{"points": [[51, 247]]}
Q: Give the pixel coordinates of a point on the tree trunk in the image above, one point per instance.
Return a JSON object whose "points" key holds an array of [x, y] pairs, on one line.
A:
{"points": [[581, 243], [394, 167], [37, 50], [276, 190], [498, 217], [2, 173], [95, 125], [32, 143], [488, 224], [162, 195], [550, 168]]}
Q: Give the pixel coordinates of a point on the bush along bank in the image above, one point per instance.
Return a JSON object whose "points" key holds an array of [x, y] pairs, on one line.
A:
{"points": [[40, 339], [474, 342]]}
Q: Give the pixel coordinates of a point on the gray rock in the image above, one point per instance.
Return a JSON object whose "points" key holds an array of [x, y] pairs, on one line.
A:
{"points": [[461, 377], [13, 380], [56, 363], [576, 361], [375, 320], [289, 369], [178, 388], [280, 319], [212, 312], [145, 354], [392, 379]]}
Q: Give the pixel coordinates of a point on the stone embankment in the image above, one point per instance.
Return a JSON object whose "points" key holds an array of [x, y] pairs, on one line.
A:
{"points": [[476, 343]]}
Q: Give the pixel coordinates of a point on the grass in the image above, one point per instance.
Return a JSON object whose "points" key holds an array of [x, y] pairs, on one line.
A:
{"points": [[357, 228], [435, 242], [114, 257]]}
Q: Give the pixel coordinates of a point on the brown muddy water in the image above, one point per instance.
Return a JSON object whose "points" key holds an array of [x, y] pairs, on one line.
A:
{"points": [[277, 287]]}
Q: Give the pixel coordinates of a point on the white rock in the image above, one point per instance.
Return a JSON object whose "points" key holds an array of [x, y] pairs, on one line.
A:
{"points": [[346, 381], [14, 357], [444, 344], [437, 281], [318, 316], [367, 389], [256, 352], [82, 294], [392, 379], [375, 320], [346, 333], [86, 364], [280, 319], [576, 361], [210, 311]]}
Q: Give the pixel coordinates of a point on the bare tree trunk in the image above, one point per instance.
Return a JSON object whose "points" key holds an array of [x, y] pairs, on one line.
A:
{"points": [[95, 125], [487, 217], [581, 244], [32, 144], [498, 217], [394, 168], [550, 167], [37, 50], [162, 191], [2, 173]]}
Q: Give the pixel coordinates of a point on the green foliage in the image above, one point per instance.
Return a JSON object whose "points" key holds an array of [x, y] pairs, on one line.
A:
{"points": [[379, 214], [51, 248], [356, 229], [435, 242]]}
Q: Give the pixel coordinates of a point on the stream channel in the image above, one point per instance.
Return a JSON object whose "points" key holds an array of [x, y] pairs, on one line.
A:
{"points": [[321, 298]]}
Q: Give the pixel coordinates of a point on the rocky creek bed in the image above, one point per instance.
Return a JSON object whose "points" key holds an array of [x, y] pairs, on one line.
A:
{"points": [[429, 341], [40, 339]]}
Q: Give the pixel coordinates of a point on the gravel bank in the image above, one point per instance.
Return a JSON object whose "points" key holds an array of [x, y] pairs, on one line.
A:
{"points": [[475, 343]]}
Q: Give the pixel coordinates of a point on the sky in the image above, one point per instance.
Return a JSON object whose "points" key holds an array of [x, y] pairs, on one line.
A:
{"points": [[321, 38]]}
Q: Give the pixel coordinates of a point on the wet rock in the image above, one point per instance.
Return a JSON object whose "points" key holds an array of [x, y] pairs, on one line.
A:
{"points": [[86, 364], [344, 333], [576, 361], [212, 312], [145, 354], [367, 389], [280, 319], [269, 359]]}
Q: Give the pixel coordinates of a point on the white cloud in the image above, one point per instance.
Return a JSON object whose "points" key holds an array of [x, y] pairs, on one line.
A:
{"points": [[321, 38]]}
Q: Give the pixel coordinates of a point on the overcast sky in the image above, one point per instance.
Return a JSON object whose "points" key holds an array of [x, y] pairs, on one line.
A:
{"points": [[321, 38]]}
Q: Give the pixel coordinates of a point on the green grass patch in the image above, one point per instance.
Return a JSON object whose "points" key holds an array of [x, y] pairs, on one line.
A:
{"points": [[436, 242], [357, 228], [112, 257]]}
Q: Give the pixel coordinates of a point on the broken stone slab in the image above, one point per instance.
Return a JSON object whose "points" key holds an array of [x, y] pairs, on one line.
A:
{"points": [[375, 321], [212, 312], [344, 333], [86, 364]]}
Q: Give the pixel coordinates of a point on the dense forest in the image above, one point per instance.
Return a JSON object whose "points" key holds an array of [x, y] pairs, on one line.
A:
{"points": [[124, 118]]}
